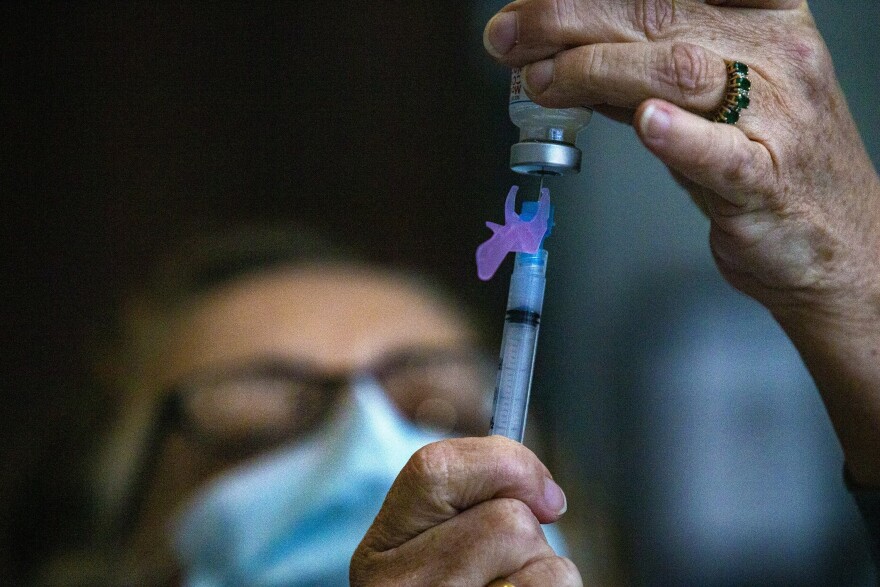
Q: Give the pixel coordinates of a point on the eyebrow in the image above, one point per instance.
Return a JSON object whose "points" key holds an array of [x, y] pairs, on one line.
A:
{"points": [[286, 367]]}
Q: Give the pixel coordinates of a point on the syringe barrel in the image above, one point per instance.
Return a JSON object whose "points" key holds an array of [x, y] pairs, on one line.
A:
{"points": [[527, 282], [518, 345]]}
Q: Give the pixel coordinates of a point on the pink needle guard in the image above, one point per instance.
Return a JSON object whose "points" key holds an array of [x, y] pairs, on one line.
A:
{"points": [[516, 235]]}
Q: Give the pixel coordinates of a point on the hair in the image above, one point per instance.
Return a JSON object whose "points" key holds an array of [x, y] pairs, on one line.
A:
{"points": [[210, 259]]}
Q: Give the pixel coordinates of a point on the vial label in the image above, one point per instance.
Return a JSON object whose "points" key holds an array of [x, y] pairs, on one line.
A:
{"points": [[516, 87]]}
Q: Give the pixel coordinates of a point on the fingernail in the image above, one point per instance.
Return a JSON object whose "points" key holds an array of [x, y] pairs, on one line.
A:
{"points": [[654, 122], [500, 34], [554, 497], [538, 76]]}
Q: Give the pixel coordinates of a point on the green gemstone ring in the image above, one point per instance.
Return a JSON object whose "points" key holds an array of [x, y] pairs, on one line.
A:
{"points": [[736, 98]]}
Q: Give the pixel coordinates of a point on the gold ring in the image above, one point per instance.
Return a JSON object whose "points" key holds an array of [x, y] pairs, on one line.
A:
{"points": [[736, 98], [500, 583]]}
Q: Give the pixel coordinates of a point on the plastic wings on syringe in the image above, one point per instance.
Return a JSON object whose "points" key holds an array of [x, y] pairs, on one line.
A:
{"points": [[520, 233]]}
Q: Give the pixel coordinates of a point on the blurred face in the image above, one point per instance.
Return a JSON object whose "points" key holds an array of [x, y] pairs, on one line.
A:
{"points": [[262, 361]]}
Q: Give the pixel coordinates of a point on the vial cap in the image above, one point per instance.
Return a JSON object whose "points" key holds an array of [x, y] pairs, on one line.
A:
{"points": [[545, 158]]}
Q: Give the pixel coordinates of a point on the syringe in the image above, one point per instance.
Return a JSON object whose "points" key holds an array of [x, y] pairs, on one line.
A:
{"points": [[519, 342]]}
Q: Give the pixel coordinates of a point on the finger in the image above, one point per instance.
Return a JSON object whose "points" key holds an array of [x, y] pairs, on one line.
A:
{"points": [[556, 570], [529, 30], [448, 477], [627, 74], [494, 538], [769, 4], [717, 156]]}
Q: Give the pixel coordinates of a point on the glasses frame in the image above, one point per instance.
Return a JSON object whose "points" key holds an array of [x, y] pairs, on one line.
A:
{"points": [[171, 415]]}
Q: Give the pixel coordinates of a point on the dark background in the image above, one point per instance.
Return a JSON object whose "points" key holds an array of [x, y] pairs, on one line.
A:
{"points": [[129, 123]]}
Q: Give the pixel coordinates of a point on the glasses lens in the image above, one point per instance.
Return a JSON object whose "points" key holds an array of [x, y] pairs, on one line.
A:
{"points": [[247, 410], [451, 394]]}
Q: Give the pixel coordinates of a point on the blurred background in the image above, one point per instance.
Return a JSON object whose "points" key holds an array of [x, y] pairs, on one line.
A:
{"points": [[681, 414]]}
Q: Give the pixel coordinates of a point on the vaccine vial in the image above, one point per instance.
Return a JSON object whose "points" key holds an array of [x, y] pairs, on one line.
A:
{"points": [[547, 136]]}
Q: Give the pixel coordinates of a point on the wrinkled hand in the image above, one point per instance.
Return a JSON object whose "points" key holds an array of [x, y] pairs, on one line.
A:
{"points": [[466, 512], [792, 196]]}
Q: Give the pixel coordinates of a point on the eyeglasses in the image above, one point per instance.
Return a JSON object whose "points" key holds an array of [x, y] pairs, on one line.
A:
{"points": [[266, 403], [244, 410]]}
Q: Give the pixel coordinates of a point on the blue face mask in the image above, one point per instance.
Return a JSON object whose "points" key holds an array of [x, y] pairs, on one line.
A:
{"points": [[295, 517]]}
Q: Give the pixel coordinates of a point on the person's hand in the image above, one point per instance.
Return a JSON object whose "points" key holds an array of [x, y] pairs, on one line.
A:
{"points": [[466, 512], [792, 196]]}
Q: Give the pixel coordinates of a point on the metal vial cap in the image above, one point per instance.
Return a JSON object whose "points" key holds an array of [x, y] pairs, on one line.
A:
{"points": [[545, 158]]}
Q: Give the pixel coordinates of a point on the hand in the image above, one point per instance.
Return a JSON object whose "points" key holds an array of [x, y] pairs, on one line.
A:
{"points": [[792, 196], [466, 512]]}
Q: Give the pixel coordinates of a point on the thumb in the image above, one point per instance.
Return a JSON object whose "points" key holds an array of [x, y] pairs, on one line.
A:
{"points": [[716, 156]]}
